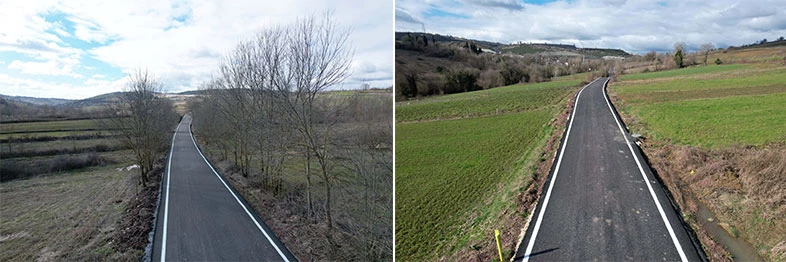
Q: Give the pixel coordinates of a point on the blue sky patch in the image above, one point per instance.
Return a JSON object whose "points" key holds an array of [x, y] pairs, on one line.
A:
{"points": [[540, 2], [433, 12]]}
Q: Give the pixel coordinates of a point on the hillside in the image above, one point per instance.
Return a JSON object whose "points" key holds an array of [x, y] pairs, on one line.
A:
{"points": [[432, 64], [15, 108], [36, 100], [543, 49]]}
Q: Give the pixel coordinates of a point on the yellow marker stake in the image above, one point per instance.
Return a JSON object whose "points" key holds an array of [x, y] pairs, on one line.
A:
{"points": [[499, 248]]}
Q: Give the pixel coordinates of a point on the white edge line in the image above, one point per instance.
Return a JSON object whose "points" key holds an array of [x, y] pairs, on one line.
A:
{"points": [[237, 199], [534, 236], [166, 201], [643, 175]]}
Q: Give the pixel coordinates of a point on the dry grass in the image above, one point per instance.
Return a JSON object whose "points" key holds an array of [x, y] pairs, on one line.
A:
{"points": [[745, 186], [770, 55], [71, 217]]}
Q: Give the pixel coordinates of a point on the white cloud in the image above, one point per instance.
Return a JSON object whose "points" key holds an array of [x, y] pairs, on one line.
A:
{"points": [[35, 88], [182, 42], [636, 26]]}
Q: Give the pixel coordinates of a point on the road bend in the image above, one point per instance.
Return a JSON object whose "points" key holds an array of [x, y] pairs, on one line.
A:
{"points": [[201, 218], [601, 201]]}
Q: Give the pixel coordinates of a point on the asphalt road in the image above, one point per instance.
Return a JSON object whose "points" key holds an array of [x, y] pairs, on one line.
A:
{"points": [[601, 201], [201, 219]]}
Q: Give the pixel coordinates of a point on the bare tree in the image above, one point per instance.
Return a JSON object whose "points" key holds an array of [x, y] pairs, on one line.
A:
{"points": [[269, 90], [650, 56], [317, 56], [145, 122], [705, 49]]}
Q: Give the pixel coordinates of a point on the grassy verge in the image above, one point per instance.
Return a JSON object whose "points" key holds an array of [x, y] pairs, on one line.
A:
{"points": [[458, 180], [715, 135]]}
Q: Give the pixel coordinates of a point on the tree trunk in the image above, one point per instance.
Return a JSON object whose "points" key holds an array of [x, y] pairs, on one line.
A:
{"points": [[327, 200], [143, 176], [308, 184]]}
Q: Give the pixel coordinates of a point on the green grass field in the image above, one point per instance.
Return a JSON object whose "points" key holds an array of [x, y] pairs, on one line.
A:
{"points": [[522, 50], [32, 127], [711, 106], [456, 177], [684, 72], [508, 99]]}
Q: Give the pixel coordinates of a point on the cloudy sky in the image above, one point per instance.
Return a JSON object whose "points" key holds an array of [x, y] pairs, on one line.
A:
{"points": [[79, 49], [635, 26]]}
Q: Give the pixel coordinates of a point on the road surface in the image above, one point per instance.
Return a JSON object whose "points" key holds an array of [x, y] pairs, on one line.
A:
{"points": [[601, 201], [201, 219]]}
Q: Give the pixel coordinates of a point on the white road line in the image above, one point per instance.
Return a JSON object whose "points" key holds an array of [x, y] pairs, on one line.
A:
{"points": [[643, 175], [166, 201], [237, 199], [531, 243]]}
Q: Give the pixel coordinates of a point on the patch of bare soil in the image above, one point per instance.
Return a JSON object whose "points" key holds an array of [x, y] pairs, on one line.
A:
{"points": [[137, 220], [745, 187]]}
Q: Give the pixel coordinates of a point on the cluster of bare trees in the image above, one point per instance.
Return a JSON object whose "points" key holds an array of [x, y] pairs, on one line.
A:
{"points": [[143, 121], [267, 100], [266, 112], [680, 57]]}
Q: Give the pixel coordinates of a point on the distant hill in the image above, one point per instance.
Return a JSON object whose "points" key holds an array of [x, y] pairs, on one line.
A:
{"points": [[191, 92], [780, 42], [433, 64], [543, 49], [36, 100], [98, 100]]}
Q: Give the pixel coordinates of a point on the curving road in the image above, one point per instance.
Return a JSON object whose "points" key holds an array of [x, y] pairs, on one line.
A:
{"points": [[201, 218], [601, 201]]}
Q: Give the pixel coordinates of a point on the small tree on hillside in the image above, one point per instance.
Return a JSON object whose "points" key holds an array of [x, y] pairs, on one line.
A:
{"points": [[650, 56], [705, 50], [679, 54], [678, 57]]}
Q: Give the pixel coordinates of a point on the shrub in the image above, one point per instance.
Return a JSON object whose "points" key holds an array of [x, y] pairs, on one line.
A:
{"points": [[462, 80], [490, 78], [718, 61], [431, 84], [409, 86], [678, 57], [513, 73], [10, 170]]}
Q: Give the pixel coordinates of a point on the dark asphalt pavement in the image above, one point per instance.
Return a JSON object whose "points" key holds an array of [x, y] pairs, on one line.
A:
{"points": [[201, 219], [601, 201]]}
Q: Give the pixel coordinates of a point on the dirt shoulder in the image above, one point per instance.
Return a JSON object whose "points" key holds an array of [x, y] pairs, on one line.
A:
{"points": [[744, 187]]}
